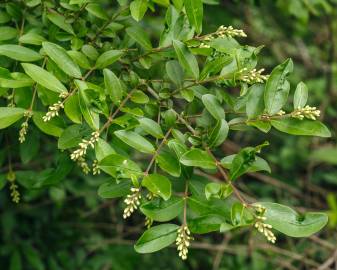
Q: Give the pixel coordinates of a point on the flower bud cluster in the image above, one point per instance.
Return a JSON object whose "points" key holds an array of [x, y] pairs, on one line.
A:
{"points": [[24, 126], [183, 241], [78, 153], [84, 165], [54, 109], [15, 194], [230, 31], [148, 222], [132, 202], [306, 112], [95, 168], [261, 226], [253, 76]]}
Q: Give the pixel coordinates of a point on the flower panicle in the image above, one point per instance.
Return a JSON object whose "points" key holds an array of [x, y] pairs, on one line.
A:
{"points": [[95, 169], [306, 112], [24, 126], [183, 241], [84, 145], [132, 202], [261, 225], [253, 76], [53, 110]]}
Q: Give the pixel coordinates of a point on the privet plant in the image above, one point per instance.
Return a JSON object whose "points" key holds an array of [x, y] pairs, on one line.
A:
{"points": [[151, 108]]}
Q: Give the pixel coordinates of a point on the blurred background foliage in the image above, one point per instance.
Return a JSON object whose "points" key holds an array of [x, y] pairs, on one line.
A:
{"points": [[69, 227]]}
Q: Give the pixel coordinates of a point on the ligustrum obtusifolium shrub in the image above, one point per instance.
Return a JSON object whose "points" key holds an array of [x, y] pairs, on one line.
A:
{"points": [[150, 108]]}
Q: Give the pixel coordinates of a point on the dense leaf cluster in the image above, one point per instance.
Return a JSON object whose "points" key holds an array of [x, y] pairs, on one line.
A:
{"points": [[150, 110]]}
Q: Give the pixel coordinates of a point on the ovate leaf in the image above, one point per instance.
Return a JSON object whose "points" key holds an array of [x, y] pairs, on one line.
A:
{"points": [[194, 11], [301, 127], [287, 221], [213, 106], [111, 189], [255, 103], [113, 85], [62, 59], [163, 211], [301, 95], [19, 53], [140, 36], [134, 140], [61, 22], [198, 158], [218, 134], [138, 9], [9, 115], [44, 78], [107, 58], [90, 116], [158, 185], [156, 238], [151, 127], [277, 87], [186, 58]]}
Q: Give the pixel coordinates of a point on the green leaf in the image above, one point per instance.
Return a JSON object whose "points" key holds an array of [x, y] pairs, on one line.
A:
{"points": [[301, 127], [207, 223], [33, 257], [111, 189], [19, 53], [179, 148], [107, 58], [213, 106], [44, 78], [301, 95], [259, 164], [138, 9], [158, 185], [72, 108], [16, 80], [139, 97], [169, 163], [198, 158], [90, 116], [255, 103], [156, 238], [113, 86], [9, 115], [140, 36], [61, 22], [214, 66], [277, 87], [134, 140], [151, 127], [97, 10], [217, 190], [194, 12], [52, 127], [244, 160], [175, 72], [80, 59], [72, 136], [218, 134], [103, 149], [7, 33], [186, 58], [32, 38], [118, 165], [163, 211], [287, 221], [62, 59]]}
